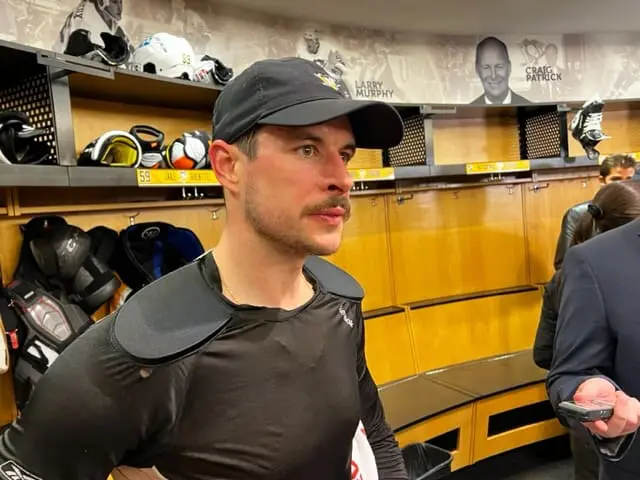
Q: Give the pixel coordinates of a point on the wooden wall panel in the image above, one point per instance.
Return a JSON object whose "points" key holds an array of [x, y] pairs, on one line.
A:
{"points": [[469, 330], [91, 118], [366, 158], [389, 348], [544, 209], [464, 140], [453, 242], [364, 252]]}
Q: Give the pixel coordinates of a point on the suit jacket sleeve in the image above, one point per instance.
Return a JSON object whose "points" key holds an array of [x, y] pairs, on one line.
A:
{"points": [[385, 447], [584, 347], [91, 411]]}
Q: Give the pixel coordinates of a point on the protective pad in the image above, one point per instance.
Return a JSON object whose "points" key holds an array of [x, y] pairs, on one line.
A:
{"points": [[104, 243], [38, 227], [153, 249], [93, 285], [174, 316], [61, 251], [333, 279], [48, 327], [179, 313]]}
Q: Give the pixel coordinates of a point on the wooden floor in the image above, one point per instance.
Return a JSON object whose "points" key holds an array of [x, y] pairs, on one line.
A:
{"points": [[546, 461]]}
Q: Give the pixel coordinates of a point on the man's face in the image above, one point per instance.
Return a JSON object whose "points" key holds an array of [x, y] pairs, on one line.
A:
{"points": [[113, 8], [617, 174], [494, 70], [295, 192], [312, 41]]}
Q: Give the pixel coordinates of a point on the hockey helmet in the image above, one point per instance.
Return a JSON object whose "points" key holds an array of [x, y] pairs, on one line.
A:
{"points": [[166, 55]]}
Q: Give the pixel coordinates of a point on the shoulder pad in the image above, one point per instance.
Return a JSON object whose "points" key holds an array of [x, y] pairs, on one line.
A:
{"points": [[333, 279], [172, 317]]}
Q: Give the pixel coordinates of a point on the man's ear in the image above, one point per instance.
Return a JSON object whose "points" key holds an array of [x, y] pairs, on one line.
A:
{"points": [[225, 160]]}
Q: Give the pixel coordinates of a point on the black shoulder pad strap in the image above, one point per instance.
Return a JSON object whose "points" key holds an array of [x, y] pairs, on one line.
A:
{"points": [[333, 279], [174, 316]]}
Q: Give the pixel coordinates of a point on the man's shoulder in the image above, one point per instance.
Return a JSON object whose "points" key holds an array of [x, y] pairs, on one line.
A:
{"points": [[518, 99], [173, 317], [607, 245], [333, 279]]}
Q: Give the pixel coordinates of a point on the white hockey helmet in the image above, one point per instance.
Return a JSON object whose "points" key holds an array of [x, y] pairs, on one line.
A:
{"points": [[164, 54]]}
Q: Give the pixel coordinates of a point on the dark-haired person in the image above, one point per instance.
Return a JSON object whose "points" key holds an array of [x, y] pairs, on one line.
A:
{"points": [[248, 363], [493, 67], [613, 168], [613, 206], [596, 347]]}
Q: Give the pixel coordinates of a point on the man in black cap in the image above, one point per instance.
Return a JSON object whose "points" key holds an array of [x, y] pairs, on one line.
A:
{"points": [[249, 362]]}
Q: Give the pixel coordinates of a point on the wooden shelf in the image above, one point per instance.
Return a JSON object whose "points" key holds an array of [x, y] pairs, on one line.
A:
{"points": [[102, 177], [109, 177], [48, 209], [33, 176], [145, 89]]}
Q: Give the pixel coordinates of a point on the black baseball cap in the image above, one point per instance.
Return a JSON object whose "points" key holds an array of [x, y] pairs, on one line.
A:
{"points": [[296, 92]]}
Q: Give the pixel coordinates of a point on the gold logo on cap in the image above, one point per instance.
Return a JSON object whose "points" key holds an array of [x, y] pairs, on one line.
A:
{"points": [[328, 81]]}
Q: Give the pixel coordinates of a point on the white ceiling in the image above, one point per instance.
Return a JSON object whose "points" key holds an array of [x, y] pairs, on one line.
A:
{"points": [[462, 16]]}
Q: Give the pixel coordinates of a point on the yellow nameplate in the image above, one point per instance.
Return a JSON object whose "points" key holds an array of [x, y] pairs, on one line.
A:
{"points": [[175, 178], [498, 167], [372, 174]]}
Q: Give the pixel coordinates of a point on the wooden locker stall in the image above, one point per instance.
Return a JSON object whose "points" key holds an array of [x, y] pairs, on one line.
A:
{"points": [[389, 347], [453, 242], [475, 139], [364, 252], [466, 330], [545, 204], [92, 118], [621, 122]]}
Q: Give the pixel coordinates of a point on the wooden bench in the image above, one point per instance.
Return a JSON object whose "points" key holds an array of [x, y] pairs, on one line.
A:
{"points": [[475, 410]]}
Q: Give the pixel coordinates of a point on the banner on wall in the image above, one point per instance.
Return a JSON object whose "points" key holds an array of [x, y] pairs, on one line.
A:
{"points": [[365, 64]]}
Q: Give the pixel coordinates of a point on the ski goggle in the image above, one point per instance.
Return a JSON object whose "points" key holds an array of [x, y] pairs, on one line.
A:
{"points": [[112, 149]]}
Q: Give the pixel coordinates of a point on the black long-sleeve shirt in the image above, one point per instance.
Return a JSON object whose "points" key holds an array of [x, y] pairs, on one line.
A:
{"points": [[277, 395]]}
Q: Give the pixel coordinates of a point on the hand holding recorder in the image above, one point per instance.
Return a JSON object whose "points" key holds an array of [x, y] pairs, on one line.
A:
{"points": [[603, 410]]}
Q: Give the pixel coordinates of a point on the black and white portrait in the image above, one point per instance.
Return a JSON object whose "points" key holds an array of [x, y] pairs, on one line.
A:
{"points": [[96, 16], [326, 56], [493, 67]]}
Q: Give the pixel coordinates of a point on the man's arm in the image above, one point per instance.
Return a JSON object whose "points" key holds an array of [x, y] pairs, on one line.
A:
{"points": [[94, 409], [583, 346], [385, 447]]}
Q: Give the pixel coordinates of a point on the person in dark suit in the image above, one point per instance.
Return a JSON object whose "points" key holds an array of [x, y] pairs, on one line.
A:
{"points": [[493, 66], [614, 205], [596, 352], [612, 169]]}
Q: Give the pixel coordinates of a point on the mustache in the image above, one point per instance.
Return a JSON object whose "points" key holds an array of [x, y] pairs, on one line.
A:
{"points": [[332, 202]]}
